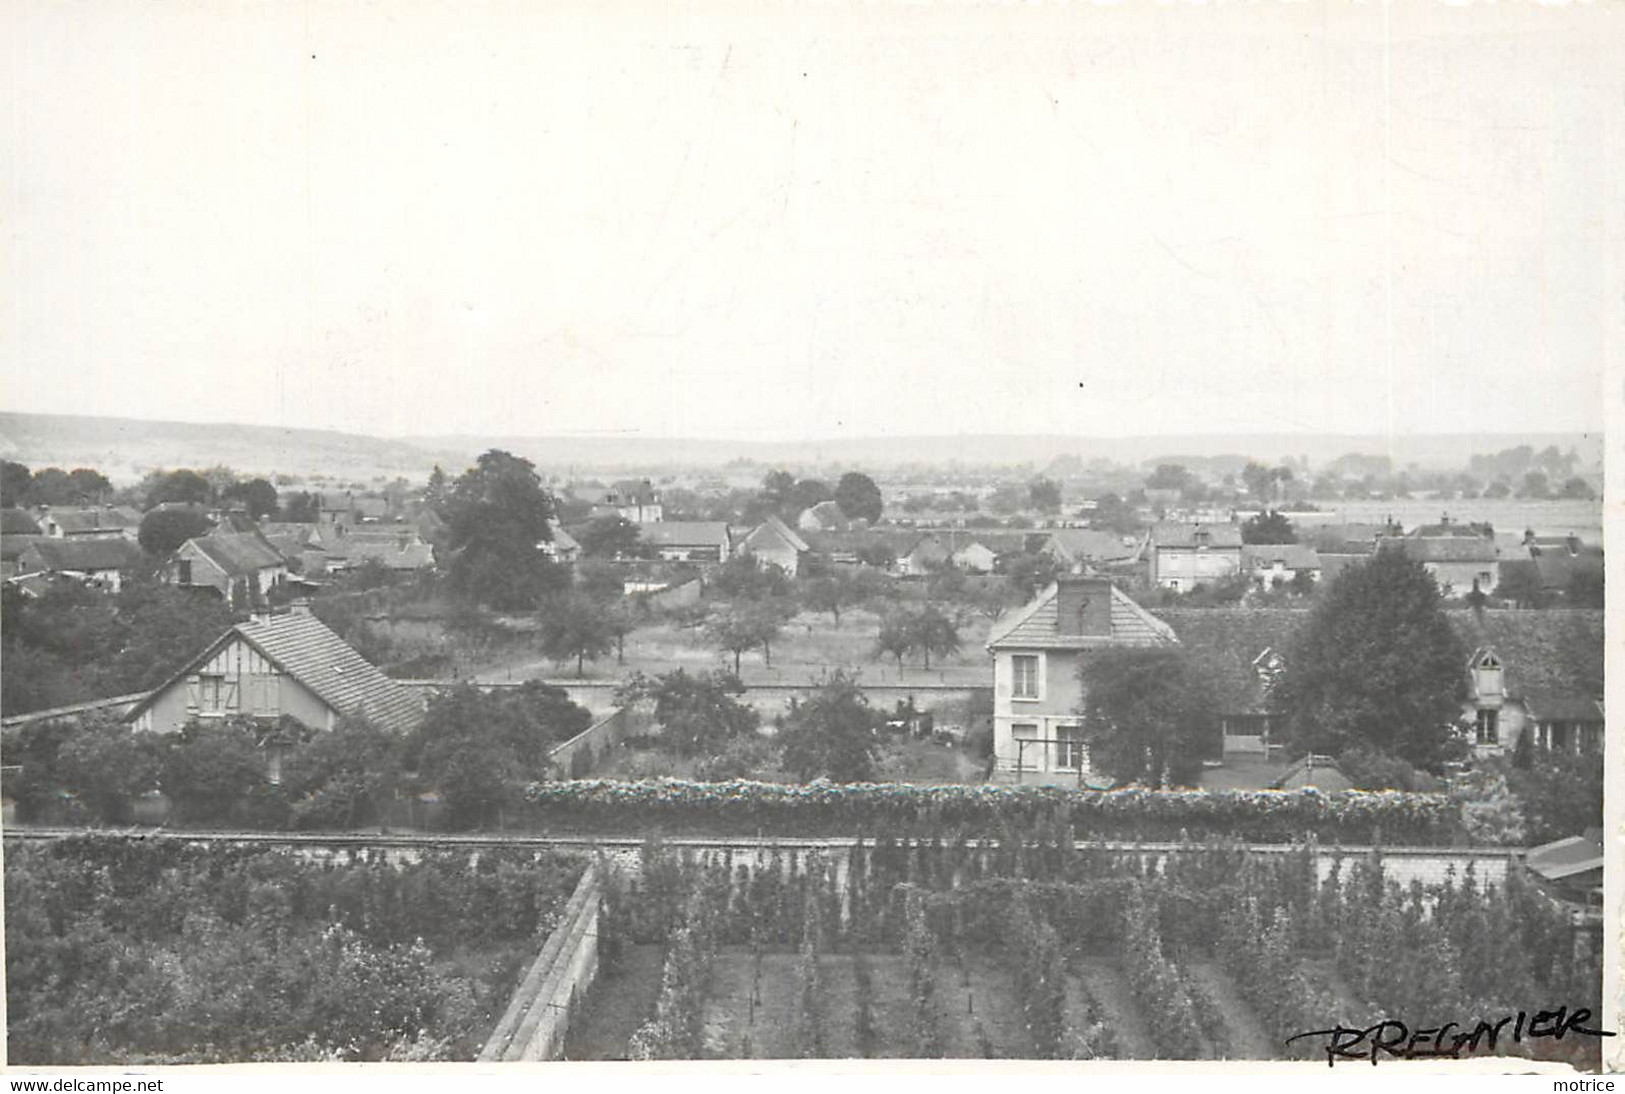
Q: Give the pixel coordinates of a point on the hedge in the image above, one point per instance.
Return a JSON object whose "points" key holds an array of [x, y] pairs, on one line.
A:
{"points": [[676, 807]]}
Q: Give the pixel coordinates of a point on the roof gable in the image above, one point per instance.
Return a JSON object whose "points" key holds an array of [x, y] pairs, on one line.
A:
{"points": [[1037, 626], [84, 555]]}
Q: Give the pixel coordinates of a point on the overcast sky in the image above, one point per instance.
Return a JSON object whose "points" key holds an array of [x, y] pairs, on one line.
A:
{"points": [[797, 221]]}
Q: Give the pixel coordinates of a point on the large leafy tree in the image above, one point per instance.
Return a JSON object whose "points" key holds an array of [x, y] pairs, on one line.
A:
{"points": [[1045, 495], [1269, 527], [1376, 664], [830, 733], [257, 496], [15, 482], [1145, 715], [859, 497], [164, 530], [934, 631], [180, 486], [698, 714], [610, 537], [497, 514]]}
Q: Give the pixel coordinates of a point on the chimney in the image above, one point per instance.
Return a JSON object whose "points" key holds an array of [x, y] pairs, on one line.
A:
{"points": [[1085, 606], [1528, 536], [300, 606]]}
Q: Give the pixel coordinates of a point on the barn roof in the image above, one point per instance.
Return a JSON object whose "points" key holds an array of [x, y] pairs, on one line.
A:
{"points": [[17, 522], [1185, 535], [1079, 544], [238, 554], [84, 555], [684, 533]]}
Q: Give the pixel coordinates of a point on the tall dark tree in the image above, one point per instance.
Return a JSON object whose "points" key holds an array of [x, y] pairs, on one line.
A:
{"points": [[164, 530], [831, 732], [610, 537], [1376, 664], [497, 516], [1145, 716], [52, 486], [301, 508], [184, 486], [859, 497], [437, 491], [89, 485], [808, 493], [1270, 527], [256, 495], [15, 481], [1044, 495]]}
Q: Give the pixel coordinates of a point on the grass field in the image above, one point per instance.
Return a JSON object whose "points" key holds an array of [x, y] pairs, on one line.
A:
{"points": [[809, 645]]}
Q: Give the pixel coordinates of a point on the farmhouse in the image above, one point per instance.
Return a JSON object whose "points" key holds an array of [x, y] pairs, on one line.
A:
{"points": [[637, 502], [775, 543], [1458, 563], [688, 540], [1037, 654], [826, 516], [975, 557], [243, 565], [276, 666], [1184, 556], [1269, 565], [103, 563], [109, 522]]}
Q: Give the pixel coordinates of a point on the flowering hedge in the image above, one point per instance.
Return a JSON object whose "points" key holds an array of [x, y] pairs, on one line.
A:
{"points": [[672, 807]]}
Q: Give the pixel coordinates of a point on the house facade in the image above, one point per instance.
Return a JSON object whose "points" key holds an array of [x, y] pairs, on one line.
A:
{"points": [[1184, 556], [276, 666], [1268, 565], [975, 557], [1038, 654], [1457, 563], [637, 502], [688, 541]]}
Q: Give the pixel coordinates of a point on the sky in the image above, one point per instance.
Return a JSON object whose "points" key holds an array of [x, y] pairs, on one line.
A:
{"points": [[812, 221]]}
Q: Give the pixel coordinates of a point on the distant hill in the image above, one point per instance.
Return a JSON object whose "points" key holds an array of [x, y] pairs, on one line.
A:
{"points": [[125, 449], [562, 454]]}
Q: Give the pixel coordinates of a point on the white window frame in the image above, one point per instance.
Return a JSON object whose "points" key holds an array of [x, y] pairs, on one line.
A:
{"points": [[1016, 694]]}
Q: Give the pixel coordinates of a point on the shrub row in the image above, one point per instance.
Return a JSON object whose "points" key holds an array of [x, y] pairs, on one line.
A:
{"points": [[829, 809]]}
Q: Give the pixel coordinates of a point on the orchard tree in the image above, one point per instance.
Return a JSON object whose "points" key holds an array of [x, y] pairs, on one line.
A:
{"points": [[859, 497], [1145, 715], [699, 713], [933, 631], [574, 627], [830, 733], [831, 594], [895, 638], [1376, 664], [497, 516], [1268, 528], [164, 530]]}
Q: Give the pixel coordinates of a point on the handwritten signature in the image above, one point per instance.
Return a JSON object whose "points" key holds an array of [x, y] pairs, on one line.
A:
{"points": [[1398, 1041]]}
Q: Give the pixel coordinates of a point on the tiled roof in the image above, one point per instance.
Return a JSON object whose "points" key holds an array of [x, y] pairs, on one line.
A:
{"points": [[238, 553], [16, 522], [1294, 556], [302, 646], [773, 526], [306, 649], [414, 556], [1037, 626], [684, 533], [84, 555], [931, 547], [12, 547], [1445, 548], [1219, 536], [1079, 544], [75, 522]]}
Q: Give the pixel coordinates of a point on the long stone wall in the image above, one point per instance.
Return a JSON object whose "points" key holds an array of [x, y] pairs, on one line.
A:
{"points": [[534, 1024]]}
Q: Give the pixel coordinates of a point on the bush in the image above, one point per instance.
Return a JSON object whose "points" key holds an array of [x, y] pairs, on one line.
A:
{"points": [[210, 768], [742, 758]]}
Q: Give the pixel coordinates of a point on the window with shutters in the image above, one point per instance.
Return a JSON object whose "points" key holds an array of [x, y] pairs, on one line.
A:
{"points": [[211, 694]]}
